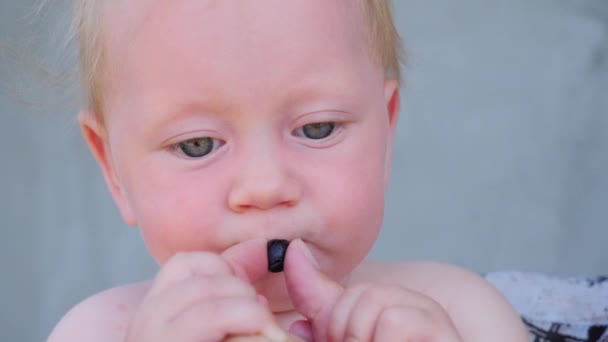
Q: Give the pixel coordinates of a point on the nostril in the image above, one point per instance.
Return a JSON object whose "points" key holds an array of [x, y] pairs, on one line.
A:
{"points": [[244, 207], [263, 194], [289, 203]]}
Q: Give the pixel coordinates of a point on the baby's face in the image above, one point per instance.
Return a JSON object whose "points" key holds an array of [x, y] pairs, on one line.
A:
{"points": [[234, 120]]}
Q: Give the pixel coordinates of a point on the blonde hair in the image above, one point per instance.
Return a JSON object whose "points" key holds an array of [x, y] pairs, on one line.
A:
{"points": [[384, 43]]}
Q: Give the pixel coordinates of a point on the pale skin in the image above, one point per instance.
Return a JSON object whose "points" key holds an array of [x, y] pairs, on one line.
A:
{"points": [[229, 123]]}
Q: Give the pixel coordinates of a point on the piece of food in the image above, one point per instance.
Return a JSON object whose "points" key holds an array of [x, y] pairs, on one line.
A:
{"points": [[276, 250]]}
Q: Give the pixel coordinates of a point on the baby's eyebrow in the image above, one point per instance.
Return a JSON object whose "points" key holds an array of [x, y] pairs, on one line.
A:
{"points": [[177, 110], [338, 87], [211, 105]]}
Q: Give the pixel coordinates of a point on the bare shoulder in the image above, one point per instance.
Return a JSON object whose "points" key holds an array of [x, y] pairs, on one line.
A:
{"points": [[479, 311], [101, 317]]}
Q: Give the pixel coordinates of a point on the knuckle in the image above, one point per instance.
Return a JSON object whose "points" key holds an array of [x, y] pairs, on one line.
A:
{"points": [[356, 291], [379, 295], [392, 319], [371, 295], [198, 263], [391, 289], [351, 338], [177, 259], [414, 322], [232, 284]]}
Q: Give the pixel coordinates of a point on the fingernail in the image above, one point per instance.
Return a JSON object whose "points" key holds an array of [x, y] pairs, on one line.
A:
{"points": [[308, 253], [301, 329], [262, 300], [274, 334]]}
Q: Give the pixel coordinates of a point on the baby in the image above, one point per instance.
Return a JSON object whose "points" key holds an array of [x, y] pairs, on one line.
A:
{"points": [[221, 125]]}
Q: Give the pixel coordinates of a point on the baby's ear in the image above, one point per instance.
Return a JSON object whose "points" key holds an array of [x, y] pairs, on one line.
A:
{"points": [[393, 106], [392, 100], [96, 137]]}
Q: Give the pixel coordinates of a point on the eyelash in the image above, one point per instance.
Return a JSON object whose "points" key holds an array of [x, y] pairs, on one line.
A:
{"points": [[336, 127], [333, 129], [179, 147]]}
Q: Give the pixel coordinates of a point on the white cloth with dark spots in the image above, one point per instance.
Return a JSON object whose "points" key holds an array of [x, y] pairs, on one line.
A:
{"points": [[557, 308]]}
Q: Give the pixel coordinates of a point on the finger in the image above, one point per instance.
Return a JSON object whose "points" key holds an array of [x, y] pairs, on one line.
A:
{"points": [[260, 338], [216, 319], [248, 259], [175, 300], [293, 338], [399, 323], [365, 312], [312, 292], [186, 265], [255, 338], [303, 330], [341, 312]]}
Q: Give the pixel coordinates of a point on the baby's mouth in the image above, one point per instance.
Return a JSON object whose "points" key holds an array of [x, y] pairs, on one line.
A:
{"points": [[276, 250]]}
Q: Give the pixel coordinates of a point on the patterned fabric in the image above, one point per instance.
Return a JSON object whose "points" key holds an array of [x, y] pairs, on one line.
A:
{"points": [[557, 309]]}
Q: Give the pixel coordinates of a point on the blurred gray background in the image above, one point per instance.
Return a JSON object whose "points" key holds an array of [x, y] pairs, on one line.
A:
{"points": [[501, 158]]}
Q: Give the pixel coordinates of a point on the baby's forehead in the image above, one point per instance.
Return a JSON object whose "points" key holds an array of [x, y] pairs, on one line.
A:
{"points": [[234, 42], [124, 21]]}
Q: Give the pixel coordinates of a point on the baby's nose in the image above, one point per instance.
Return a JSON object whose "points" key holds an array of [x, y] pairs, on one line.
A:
{"points": [[263, 185]]}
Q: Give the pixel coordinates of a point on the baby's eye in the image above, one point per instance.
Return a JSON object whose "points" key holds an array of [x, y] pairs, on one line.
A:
{"points": [[316, 131], [199, 147]]}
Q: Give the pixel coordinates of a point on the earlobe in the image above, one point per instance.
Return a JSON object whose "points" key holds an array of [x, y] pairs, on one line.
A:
{"points": [[96, 137], [393, 106]]}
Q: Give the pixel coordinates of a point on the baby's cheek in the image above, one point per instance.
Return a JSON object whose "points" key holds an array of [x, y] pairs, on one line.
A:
{"points": [[354, 220], [170, 223]]}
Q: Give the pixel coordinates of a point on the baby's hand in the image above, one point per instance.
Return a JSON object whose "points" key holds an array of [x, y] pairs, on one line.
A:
{"points": [[201, 296], [370, 312]]}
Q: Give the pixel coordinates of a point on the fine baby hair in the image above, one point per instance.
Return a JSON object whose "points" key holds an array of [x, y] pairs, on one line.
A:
{"points": [[384, 44]]}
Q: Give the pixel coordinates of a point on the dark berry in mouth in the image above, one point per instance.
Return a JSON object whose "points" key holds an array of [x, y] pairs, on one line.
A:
{"points": [[276, 250]]}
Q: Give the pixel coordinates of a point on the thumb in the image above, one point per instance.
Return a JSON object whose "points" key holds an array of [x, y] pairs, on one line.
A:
{"points": [[248, 259], [312, 293]]}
